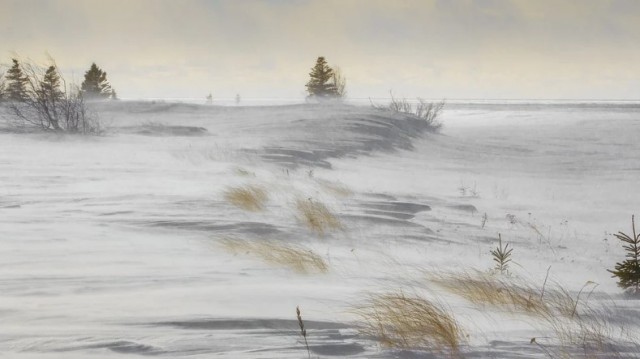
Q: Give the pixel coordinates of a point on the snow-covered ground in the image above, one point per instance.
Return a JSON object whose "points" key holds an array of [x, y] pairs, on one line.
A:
{"points": [[113, 246]]}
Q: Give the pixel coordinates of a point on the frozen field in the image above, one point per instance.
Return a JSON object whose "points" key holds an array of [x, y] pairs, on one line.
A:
{"points": [[128, 244]]}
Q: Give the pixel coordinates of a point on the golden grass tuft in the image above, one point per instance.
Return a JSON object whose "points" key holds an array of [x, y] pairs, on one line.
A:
{"points": [[296, 258], [317, 216], [249, 198], [576, 325], [482, 289], [411, 322]]}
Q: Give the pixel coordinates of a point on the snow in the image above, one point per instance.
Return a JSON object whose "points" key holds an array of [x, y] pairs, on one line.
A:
{"points": [[111, 245]]}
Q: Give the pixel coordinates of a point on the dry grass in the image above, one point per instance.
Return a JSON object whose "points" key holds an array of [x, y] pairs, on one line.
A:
{"points": [[249, 198], [589, 335], [296, 258], [317, 216], [516, 296], [482, 289], [577, 326], [410, 322]]}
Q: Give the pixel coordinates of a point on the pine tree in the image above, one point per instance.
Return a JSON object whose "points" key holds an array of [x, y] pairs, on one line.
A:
{"points": [[95, 84], [321, 84], [16, 83], [2, 88], [50, 85], [628, 271]]}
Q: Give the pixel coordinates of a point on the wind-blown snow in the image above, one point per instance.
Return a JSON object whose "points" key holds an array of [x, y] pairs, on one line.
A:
{"points": [[110, 245]]}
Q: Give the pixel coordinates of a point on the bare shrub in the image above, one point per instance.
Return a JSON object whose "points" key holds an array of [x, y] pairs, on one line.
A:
{"points": [[340, 83], [411, 322], [60, 107], [424, 110], [317, 216], [299, 259], [249, 198]]}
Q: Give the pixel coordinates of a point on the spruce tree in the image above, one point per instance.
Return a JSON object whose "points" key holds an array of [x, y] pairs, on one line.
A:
{"points": [[320, 84], [16, 83], [628, 271], [2, 88], [50, 85], [95, 84]]}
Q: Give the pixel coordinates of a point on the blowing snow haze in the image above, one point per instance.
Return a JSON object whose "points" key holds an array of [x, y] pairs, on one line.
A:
{"points": [[572, 49], [174, 219]]}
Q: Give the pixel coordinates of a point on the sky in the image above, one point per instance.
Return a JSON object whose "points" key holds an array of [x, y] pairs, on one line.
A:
{"points": [[453, 49]]}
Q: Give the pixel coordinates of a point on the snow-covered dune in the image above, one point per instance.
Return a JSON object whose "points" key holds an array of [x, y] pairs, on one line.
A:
{"points": [[132, 244]]}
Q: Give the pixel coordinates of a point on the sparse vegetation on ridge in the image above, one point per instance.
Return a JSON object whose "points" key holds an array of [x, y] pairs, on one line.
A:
{"points": [[423, 110], [39, 97]]}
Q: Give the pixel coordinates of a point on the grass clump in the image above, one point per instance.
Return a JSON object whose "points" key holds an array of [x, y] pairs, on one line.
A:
{"points": [[298, 259], [249, 198], [411, 322], [579, 329], [482, 289], [317, 216]]}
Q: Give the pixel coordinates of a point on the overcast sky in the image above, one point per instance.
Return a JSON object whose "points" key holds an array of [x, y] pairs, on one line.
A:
{"points": [[546, 49]]}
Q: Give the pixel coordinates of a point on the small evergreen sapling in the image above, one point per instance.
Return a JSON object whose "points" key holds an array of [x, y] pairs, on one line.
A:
{"points": [[628, 271], [502, 256]]}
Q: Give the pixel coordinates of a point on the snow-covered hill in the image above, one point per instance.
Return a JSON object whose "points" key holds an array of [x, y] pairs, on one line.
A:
{"points": [[134, 244]]}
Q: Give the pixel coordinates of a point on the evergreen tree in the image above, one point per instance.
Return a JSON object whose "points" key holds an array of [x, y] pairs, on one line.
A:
{"points": [[320, 84], [2, 87], [95, 84], [50, 85], [114, 95], [628, 271], [17, 83]]}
